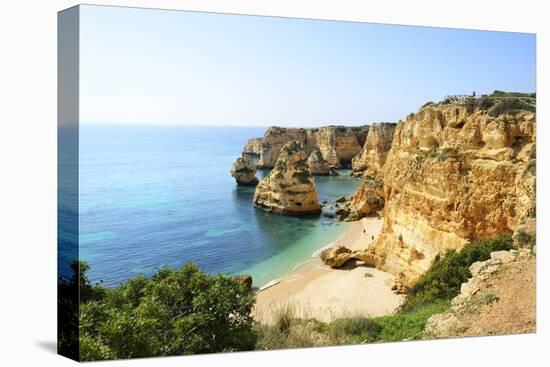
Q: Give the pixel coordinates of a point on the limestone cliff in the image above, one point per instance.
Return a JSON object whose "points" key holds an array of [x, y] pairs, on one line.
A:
{"points": [[338, 144], [319, 166], [253, 147], [244, 171], [453, 175], [371, 158], [289, 188]]}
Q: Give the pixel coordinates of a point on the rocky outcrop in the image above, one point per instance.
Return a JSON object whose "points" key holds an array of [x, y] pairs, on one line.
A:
{"points": [[289, 188], [371, 158], [338, 144], [253, 147], [454, 175], [244, 171], [319, 166], [276, 137], [368, 201], [336, 256]]}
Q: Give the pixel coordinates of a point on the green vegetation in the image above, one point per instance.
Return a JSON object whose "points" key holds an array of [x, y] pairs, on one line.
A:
{"points": [[186, 311], [291, 332], [427, 104], [302, 176], [245, 170], [432, 294], [174, 312], [369, 180], [292, 147], [500, 93], [524, 239], [508, 105], [444, 278], [484, 103]]}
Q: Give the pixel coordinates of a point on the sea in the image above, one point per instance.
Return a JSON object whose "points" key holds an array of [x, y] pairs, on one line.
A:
{"points": [[154, 196]]}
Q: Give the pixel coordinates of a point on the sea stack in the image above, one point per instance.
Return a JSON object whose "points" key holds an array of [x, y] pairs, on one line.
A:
{"points": [[244, 171], [319, 166], [289, 189]]}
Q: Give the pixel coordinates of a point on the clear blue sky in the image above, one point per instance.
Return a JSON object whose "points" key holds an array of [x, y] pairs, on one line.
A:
{"points": [[174, 67]]}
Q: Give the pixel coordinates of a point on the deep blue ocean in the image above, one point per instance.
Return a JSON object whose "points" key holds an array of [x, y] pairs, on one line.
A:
{"points": [[153, 196]]}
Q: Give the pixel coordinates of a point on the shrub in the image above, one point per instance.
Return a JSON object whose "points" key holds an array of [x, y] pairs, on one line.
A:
{"points": [[443, 279], [174, 312], [470, 103], [302, 176], [484, 103], [427, 104], [346, 329], [508, 105]]}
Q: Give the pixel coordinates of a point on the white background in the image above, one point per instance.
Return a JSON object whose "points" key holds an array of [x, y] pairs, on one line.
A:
{"points": [[28, 181]]}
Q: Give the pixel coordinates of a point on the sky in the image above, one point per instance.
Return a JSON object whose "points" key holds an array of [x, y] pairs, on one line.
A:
{"points": [[143, 66]]}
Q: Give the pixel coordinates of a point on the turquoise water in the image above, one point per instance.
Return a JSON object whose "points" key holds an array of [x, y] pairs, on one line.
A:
{"points": [[156, 196]]}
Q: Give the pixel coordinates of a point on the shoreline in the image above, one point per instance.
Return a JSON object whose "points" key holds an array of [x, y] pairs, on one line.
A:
{"points": [[314, 290]]}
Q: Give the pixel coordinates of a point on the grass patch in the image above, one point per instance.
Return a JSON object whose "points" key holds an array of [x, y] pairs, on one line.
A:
{"points": [[404, 325]]}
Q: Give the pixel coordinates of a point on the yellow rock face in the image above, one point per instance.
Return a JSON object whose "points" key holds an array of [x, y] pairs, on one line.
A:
{"points": [[253, 147], [453, 176], [289, 188], [338, 144], [371, 158]]}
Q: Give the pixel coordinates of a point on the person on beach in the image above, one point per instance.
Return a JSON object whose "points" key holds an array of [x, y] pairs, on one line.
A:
{"points": [[372, 238]]}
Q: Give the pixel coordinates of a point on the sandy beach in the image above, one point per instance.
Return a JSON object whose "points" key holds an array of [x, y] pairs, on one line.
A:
{"points": [[314, 290]]}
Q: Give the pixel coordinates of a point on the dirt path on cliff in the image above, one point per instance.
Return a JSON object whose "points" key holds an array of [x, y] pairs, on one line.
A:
{"points": [[503, 303], [510, 299]]}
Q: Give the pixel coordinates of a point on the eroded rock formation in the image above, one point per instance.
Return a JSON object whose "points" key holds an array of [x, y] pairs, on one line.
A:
{"points": [[337, 256], [289, 188], [371, 158], [338, 144], [368, 201], [319, 166], [454, 175], [253, 147], [244, 171]]}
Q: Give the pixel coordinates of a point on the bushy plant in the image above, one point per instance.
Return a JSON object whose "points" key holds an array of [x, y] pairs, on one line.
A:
{"points": [[443, 279], [508, 105], [174, 312], [485, 102]]}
